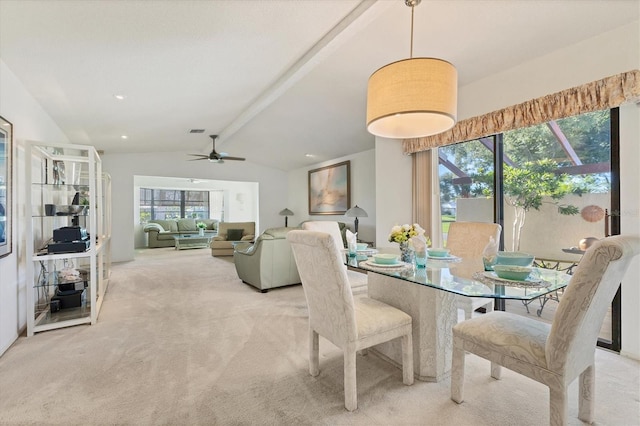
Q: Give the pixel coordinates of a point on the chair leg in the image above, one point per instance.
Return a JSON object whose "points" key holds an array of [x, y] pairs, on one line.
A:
{"points": [[496, 371], [407, 359], [350, 388], [468, 312], [314, 349], [558, 406], [457, 371], [489, 307], [587, 394]]}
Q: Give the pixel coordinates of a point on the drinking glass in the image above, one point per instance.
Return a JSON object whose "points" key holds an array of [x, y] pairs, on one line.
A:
{"points": [[353, 248], [420, 258]]}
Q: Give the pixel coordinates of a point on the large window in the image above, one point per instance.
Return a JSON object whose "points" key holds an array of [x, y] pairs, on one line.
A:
{"points": [[548, 185], [173, 204]]}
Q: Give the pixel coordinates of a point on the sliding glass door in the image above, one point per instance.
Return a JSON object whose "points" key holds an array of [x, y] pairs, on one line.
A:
{"points": [[552, 187]]}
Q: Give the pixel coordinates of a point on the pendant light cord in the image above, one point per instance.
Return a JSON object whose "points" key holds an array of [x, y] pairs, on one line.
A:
{"points": [[411, 51]]}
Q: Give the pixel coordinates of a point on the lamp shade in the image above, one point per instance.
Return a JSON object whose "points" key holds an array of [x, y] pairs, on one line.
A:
{"points": [[286, 212], [356, 212], [412, 98]]}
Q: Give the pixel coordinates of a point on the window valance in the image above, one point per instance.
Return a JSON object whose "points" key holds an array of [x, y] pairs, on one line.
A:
{"points": [[602, 94]]}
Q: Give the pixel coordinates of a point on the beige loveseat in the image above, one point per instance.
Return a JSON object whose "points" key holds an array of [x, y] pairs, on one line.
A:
{"points": [[160, 232], [269, 262], [230, 233]]}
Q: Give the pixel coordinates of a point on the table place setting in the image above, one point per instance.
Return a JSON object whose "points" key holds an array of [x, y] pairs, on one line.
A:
{"points": [[513, 276], [385, 261]]}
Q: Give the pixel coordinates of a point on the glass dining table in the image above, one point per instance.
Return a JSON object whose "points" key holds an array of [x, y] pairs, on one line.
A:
{"points": [[428, 296]]}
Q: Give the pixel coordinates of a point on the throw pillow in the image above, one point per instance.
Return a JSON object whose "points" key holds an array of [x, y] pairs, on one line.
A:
{"points": [[234, 234], [185, 225]]}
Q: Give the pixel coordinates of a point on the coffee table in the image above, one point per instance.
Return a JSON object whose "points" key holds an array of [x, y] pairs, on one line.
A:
{"points": [[190, 241]]}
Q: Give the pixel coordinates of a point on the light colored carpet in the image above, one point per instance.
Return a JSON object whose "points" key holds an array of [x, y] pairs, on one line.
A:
{"points": [[180, 341]]}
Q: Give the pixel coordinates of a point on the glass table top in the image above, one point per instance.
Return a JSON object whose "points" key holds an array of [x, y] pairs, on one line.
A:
{"points": [[466, 277]]}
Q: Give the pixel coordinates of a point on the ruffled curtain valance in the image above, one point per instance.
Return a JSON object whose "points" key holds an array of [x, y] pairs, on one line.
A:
{"points": [[602, 94]]}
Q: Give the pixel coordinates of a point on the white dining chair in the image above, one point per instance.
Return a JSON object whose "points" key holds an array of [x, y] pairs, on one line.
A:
{"points": [[553, 354], [351, 323], [467, 240], [357, 280]]}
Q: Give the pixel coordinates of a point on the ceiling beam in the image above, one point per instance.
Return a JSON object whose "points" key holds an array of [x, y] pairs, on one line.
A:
{"points": [[362, 15], [564, 142]]}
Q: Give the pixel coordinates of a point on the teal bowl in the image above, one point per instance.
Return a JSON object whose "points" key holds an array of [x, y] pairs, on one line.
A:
{"points": [[516, 258], [438, 252], [385, 258], [512, 272]]}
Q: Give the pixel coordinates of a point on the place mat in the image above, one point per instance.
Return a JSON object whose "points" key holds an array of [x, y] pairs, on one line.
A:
{"points": [[492, 278], [445, 258], [367, 251]]}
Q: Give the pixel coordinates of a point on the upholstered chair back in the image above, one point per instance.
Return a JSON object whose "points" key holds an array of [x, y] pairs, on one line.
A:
{"points": [[327, 226], [326, 286], [583, 305], [468, 239]]}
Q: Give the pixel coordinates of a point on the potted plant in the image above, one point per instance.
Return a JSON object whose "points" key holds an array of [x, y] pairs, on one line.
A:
{"points": [[201, 227]]}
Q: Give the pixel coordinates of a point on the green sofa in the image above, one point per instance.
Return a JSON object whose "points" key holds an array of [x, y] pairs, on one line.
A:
{"points": [[160, 232]]}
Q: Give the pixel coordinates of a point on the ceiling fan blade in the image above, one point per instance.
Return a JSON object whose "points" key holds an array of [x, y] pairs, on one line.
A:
{"points": [[234, 158], [198, 159], [199, 155]]}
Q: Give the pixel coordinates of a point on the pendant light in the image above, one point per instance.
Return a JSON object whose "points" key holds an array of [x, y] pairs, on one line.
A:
{"points": [[413, 97]]}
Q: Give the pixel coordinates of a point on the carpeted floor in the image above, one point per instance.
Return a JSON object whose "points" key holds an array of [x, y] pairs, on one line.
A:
{"points": [[181, 341]]}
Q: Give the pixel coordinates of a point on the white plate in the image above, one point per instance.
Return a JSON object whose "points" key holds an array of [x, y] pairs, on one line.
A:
{"points": [[495, 276], [443, 257], [383, 265], [367, 251]]}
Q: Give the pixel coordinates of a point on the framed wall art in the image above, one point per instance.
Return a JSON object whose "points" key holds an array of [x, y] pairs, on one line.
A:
{"points": [[6, 150], [329, 191]]}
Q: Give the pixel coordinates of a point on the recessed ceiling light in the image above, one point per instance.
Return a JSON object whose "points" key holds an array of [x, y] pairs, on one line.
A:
{"points": [[309, 155], [119, 97], [124, 137]]}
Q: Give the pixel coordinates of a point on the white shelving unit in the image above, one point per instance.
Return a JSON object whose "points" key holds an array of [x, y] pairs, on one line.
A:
{"points": [[55, 174]]}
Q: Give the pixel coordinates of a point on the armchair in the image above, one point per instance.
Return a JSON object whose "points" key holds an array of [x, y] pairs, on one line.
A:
{"points": [[269, 262], [230, 233]]}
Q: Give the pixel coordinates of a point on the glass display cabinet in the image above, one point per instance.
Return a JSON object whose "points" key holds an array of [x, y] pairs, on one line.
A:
{"points": [[68, 220]]}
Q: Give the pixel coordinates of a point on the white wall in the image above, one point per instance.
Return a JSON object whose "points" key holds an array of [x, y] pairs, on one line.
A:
{"points": [[602, 56], [123, 167], [30, 122], [630, 224], [363, 193], [393, 189]]}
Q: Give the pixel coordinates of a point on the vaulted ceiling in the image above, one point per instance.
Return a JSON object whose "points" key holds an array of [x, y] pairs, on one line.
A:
{"points": [[276, 79]]}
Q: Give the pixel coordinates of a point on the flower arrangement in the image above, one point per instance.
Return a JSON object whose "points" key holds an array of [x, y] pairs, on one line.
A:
{"points": [[201, 225], [402, 234]]}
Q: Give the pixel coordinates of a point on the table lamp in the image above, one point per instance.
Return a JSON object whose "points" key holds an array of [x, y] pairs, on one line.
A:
{"points": [[356, 212], [286, 213]]}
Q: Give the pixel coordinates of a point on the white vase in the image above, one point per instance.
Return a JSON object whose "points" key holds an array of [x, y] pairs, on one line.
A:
{"points": [[201, 232]]}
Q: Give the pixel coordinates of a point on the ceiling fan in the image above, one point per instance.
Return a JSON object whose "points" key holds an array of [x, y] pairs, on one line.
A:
{"points": [[214, 156]]}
